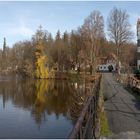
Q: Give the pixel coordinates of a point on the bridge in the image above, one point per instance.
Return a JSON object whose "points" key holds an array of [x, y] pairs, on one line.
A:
{"points": [[121, 107]]}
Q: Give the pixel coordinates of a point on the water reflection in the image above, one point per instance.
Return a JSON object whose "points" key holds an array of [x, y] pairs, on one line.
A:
{"points": [[43, 98]]}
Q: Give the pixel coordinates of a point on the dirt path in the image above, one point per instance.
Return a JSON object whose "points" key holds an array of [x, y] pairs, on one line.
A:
{"points": [[122, 109]]}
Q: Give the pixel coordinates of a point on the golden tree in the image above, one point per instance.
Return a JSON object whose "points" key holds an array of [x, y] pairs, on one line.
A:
{"points": [[41, 70]]}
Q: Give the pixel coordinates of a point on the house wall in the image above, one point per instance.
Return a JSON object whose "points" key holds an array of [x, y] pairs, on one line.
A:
{"points": [[104, 67]]}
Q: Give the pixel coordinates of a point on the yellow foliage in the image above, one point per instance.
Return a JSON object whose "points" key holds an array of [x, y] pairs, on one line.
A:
{"points": [[41, 88], [41, 71], [37, 54]]}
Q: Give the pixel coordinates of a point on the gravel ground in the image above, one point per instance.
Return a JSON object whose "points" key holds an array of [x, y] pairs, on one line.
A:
{"points": [[122, 109]]}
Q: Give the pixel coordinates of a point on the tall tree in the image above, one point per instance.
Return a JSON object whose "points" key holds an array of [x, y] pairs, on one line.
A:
{"points": [[4, 54], [66, 50], [93, 30], [65, 37], [4, 47], [60, 47], [119, 28], [41, 71], [75, 42]]}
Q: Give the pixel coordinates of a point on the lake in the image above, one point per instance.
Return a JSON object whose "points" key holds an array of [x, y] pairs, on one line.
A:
{"points": [[39, 108]]}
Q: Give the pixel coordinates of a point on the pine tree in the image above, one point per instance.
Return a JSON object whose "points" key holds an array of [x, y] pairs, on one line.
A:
{"points": [[4, 59], [57, 38], [65, 37], [4, 48]]}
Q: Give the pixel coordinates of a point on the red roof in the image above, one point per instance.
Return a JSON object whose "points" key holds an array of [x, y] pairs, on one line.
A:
{"points": [[103, 60]]}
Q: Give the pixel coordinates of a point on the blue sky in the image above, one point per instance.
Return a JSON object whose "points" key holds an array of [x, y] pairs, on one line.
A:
{"points": [[19, 20]]}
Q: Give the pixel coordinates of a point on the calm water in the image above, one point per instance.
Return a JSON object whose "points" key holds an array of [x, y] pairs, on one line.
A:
{"points": [[39, 109]]}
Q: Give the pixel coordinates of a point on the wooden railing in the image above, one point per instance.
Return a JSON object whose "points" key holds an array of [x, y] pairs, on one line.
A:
{"points": [[134, 83], [85, 125]]}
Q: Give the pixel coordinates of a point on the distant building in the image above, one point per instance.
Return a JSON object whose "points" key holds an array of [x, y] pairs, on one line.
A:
{"points": [[138, 44], [105, 62]]}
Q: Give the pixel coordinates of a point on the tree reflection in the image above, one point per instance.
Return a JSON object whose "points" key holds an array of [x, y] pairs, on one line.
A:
{"points": [[44, 97]]}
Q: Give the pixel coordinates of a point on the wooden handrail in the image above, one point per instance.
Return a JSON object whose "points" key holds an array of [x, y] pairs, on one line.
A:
{"points": [[133, 82], [84, 127]]}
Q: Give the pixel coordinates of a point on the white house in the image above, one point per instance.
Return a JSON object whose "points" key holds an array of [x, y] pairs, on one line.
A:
{"points": [[105, 62]]}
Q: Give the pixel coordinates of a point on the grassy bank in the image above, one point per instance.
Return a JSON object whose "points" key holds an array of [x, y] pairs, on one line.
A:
{"points": [[105, 131], [104, 126]]}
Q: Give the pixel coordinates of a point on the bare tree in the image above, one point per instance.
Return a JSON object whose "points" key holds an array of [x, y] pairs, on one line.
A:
{"points": [[119, 28], [93, 30], [75, 42]]}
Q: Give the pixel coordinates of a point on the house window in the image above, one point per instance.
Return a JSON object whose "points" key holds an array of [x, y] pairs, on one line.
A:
{"points": [[104, 67], [100, 67]]}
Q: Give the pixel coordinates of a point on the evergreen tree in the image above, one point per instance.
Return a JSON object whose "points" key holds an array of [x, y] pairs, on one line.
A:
{"points": [[58, 45], [58, 36], [4, 48], [4, 55], [65, 37]]}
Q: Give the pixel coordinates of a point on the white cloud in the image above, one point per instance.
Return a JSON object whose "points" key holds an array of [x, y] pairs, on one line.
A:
{"points": [[22, 30]]}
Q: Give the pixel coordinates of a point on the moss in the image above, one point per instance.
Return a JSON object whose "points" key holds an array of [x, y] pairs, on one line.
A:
{"points": [[105, 131]]}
